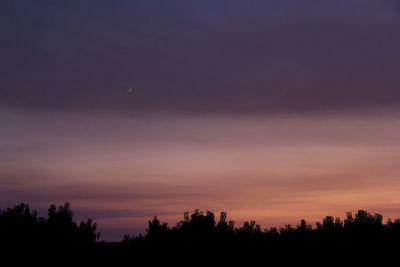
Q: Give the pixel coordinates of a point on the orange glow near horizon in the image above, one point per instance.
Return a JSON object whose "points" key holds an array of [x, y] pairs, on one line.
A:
{"points": [[275, 170]]}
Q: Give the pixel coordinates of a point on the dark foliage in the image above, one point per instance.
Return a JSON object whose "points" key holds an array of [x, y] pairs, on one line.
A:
{"points": [[21, 230], [360, 237]]}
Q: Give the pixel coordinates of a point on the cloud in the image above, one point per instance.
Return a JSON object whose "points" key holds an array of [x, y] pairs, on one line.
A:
{"points": [[84, 192], [269, 110], [232, 58]]}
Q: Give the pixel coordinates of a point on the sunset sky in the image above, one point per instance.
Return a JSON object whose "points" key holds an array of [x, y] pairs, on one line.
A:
{"points": [[273, 111]]}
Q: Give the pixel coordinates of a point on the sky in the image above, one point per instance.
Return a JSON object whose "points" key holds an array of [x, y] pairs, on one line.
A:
{"points": [[273, 111]]}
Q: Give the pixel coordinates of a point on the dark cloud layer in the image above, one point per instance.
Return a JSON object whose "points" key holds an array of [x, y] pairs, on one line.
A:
{"points": [[208, 56]]}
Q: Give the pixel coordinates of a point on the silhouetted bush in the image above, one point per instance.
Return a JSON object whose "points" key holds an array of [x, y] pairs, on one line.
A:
{"points": [[359, 236], [22, 228]]}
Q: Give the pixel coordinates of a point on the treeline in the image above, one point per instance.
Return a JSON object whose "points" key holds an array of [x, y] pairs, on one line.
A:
{"points": [[362, 231], [200, 226], [22, 228], [200, 233]]}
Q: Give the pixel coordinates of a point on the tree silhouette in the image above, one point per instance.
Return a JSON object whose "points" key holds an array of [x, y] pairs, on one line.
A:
{"points": [[356, 236]]}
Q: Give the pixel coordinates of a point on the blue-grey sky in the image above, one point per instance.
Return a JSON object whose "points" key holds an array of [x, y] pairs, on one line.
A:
{"points": [[270, 110], [200, 56]]}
